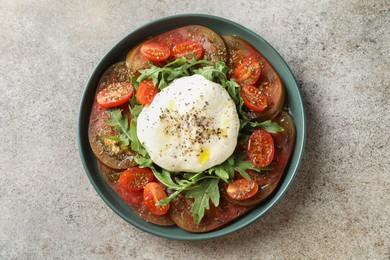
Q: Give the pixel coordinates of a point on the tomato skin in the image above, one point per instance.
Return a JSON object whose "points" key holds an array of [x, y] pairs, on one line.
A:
{"points": [[247, 73], [153, 193], [155, 51], [146, 92], [135, 179], [115, 94], [188, 50], [253, 98], [261, 148], [242, 189]]}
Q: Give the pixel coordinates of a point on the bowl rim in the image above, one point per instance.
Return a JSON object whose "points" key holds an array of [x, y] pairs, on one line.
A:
{"points": [[175, 22]]}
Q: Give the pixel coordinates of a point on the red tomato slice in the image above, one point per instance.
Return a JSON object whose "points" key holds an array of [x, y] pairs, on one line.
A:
{"points": [[155, 51], [247, 73], [146, 92], [253, 98], [261, 148], [153, 193], [115, 94], [242, 189], [188, 50], [135, 179]]}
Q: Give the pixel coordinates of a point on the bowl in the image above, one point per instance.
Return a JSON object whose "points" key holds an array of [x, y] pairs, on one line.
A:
{"points": [[118, 53]]}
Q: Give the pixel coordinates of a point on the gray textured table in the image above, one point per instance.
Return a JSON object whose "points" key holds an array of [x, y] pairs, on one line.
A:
{"points": [[337, 207]]}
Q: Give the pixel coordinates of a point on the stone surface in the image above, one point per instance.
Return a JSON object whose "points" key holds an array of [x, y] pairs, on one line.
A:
{"points": [[337, 207]]}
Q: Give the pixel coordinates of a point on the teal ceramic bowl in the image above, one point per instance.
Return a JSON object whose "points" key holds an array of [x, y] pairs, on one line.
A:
{"points": [[118, 53]]}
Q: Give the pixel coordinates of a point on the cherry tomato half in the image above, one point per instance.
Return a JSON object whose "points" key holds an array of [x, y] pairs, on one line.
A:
{"points": [[115, 94], [253, 98], [135, 179], [261, 148], [153, 193], [242, 189], [188, 50], [247, 73], [146, 92], [155, 51]]}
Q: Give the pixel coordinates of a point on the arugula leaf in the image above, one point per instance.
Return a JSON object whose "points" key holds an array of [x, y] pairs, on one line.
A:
{"points": [[120, 123], [269, 126], [224, 170], [128, 135], [135, 111], [242, 166], [202, 194], [165, 178], [143, 162], [162, 76], [135, 143]]}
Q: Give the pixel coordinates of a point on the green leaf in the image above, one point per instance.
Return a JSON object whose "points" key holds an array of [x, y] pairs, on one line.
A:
{"points": [[143, 162], [234, 91], [152, 72], [135, 111], [135, 143], [202, 194], [220, 171], [269, 126], [242, 166], [165, 178], [128, 135], [120, 123]]}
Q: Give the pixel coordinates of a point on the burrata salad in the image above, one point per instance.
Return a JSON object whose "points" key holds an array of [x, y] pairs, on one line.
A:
{"points": [[191, 130]]}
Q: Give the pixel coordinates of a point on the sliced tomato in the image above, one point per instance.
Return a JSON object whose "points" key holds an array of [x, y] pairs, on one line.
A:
{"points": [[146, 92], [261, 148], [253, 98], [153, 193], [242, 189], [269, 180], [269, 82], [214, 218], [115, 94], [188, 50], [247, 73], [134, 199], [135, 178], [211, 42], [110, 153], [155, 51]]}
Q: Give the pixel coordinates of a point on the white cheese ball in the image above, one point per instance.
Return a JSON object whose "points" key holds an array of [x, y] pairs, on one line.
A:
{"points": [[190, 126]]}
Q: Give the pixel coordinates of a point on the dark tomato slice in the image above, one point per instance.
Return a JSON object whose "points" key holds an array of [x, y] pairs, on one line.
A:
{"points": [[269, 82], [211, 42], [188, 50], [261, 148], [247, 73], [242, 189], [253, 98], [269, 180], [110, 153], [134, 199], [135, 179], [214, 218], [115, 94], [146, 92], [153, 193], [155, 51]]}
